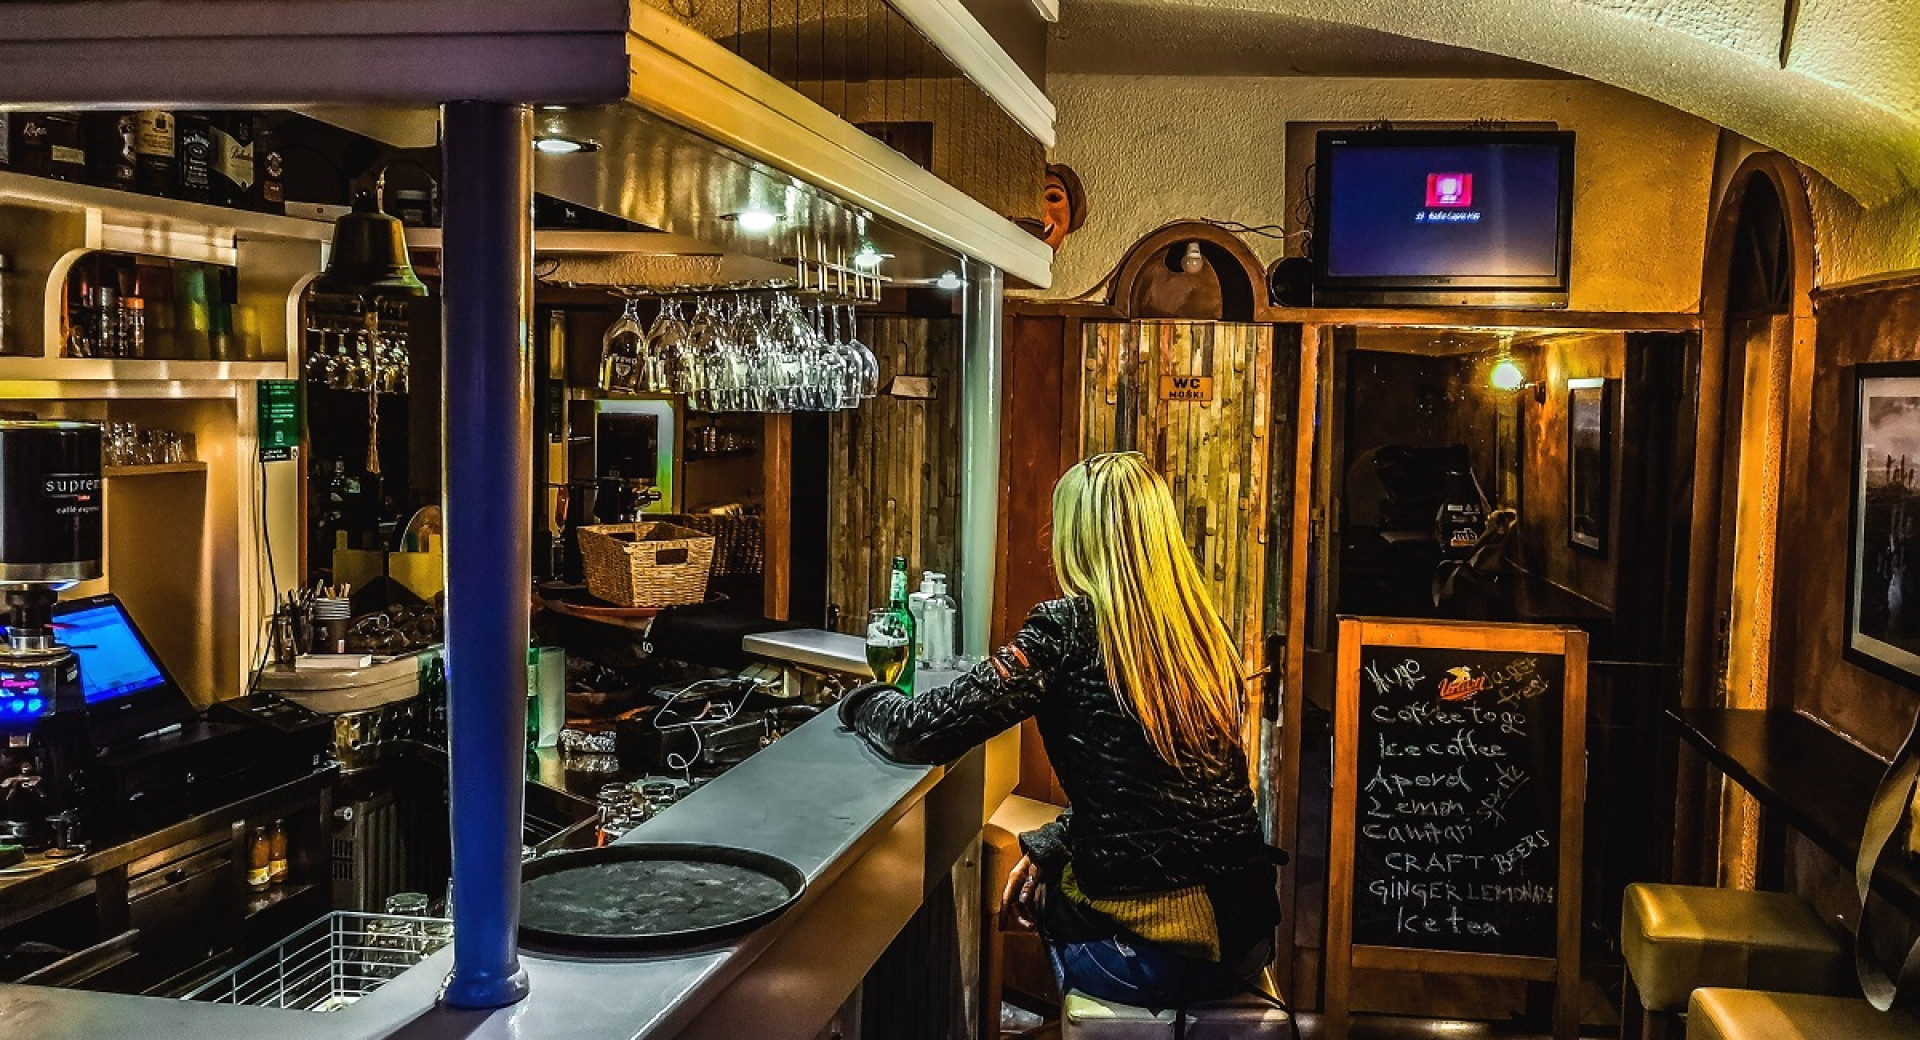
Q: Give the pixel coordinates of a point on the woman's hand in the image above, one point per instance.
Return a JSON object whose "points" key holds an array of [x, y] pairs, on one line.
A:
{"points": [[1025, 892]]}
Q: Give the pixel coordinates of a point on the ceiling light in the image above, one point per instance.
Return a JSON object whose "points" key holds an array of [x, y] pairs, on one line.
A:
{"points": [[754, 221], [564, 145], [949, 281], [868, 258]]}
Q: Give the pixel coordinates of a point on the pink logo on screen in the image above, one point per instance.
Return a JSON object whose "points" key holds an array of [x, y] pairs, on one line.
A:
{"points": [[1449, 190]]}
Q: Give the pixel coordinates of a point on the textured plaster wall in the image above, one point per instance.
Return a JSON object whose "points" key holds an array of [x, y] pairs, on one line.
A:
{"points": [[1154, 149], [1852, 243], [1855, 243]]}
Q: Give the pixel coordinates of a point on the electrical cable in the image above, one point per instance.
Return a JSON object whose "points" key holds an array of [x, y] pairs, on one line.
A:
{"points": [[272, 584]]}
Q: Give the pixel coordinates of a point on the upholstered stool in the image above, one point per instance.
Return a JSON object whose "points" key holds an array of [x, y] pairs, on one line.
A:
{"points": [[1679, 938], [1745, 1014], [1235, 1018]]}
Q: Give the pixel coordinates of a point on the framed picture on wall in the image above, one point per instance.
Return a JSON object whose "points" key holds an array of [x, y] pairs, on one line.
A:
{"points": [[1883, 536], [1589, 463]]}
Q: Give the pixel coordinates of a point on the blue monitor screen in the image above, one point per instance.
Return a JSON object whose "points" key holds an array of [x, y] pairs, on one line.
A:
{"points": [[113, 661], [1481, 213]]}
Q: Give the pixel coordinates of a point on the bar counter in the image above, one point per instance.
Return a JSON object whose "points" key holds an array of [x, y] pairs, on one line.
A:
{"points": [[872, 838]]}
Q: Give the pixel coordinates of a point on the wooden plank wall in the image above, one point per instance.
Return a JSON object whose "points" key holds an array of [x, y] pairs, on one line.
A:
{"points": [[1215, 455], [894, 469]]}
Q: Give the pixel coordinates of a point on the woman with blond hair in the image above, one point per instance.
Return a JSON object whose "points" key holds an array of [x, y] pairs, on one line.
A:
{"points": [[1156, 887]]}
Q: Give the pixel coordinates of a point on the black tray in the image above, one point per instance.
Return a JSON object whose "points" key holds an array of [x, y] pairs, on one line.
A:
{"points": [[744, 920]]}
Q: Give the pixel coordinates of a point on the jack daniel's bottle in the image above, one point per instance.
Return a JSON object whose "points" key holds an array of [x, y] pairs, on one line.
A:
{"points": [[194, 152]]}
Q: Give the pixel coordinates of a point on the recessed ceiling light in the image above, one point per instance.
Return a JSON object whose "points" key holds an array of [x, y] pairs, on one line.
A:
{"points": [[868, 258], [564, 145], [754, 221], [949, 281]]}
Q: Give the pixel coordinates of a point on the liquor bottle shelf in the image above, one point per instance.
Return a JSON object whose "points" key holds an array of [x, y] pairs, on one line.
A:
{"points": [[156, 216], [155, 470], [33, 369]]}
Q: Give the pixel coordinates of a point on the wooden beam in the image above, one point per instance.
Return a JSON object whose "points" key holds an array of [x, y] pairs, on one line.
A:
{"points": [[286, 53]]}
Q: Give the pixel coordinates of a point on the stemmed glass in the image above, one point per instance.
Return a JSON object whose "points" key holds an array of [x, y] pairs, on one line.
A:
{"points": [[620, 350], [745, 352], [668, 343]]}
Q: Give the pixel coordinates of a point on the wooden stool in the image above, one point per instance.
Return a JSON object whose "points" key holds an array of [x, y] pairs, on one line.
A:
{"points": [[1235, 1018], [1680, 938], [1745, 1014], [1011, 958]]}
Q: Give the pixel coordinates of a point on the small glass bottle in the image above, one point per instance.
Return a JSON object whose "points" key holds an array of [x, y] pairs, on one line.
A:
{"points": [[260, 860], [133, 334], [277, 866]]}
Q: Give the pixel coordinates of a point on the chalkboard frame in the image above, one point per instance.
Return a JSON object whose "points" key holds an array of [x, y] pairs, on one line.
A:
{"points": [[1343, 955]]}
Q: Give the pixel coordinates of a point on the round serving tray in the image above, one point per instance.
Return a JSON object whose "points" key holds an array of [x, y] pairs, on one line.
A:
{"points": [[652, 896]]}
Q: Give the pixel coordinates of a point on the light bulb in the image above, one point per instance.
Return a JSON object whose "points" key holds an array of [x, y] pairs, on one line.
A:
{"points": [[867, 259], [948, 281], [1507, 375]]}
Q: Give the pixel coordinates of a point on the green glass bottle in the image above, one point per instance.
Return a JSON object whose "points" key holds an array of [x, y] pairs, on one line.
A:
{"points": [[897, 599]]}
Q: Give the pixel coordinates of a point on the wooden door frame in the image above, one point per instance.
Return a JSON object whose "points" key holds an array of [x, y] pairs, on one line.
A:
{"points": [[1699, 683]]}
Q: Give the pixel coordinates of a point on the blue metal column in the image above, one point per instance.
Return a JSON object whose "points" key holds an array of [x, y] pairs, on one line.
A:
{"points": [[486, 436]]}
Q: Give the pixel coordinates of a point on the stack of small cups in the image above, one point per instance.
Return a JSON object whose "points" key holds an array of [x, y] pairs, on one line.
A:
{"points": [[331, 619]]}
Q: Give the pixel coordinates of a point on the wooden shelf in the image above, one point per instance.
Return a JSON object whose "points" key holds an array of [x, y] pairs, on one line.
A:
{"points": [[158, 216], [38, 369], [155, 470]]}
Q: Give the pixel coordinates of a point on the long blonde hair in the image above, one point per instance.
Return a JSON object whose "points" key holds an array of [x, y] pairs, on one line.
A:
{"points": [[1117, 542]]}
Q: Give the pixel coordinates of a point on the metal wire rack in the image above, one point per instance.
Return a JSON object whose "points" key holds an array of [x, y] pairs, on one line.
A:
{"points": [[330, 963]]}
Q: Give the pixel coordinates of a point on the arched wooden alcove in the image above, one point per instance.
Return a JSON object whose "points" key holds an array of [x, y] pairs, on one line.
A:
{"points": [[1152, 280]]}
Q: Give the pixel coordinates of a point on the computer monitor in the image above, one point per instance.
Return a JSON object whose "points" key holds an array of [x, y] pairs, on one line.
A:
{"points": [[126, 688]]}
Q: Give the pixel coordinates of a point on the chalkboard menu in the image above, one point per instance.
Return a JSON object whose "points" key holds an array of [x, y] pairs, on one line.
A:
{"points": [[1456, 843], [1459, 789]]}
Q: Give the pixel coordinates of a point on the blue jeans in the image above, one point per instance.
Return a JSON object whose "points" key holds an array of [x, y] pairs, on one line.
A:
{"points": [[1141, 974]]}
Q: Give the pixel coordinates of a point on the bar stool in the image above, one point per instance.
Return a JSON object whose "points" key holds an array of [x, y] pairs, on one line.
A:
{"points": [[1743, 1014], [1008, 954], [1244, 1017], [1681, 938]]}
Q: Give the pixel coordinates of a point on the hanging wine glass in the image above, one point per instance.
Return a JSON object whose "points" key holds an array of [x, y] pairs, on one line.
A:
{"points": [[620, 349]]}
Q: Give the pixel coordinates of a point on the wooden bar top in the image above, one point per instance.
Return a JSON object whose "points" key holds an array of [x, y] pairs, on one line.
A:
{"points": [[1817, 781]]}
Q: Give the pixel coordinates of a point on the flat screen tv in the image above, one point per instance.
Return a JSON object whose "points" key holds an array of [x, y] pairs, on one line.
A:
{"points": [[1442, 217]]}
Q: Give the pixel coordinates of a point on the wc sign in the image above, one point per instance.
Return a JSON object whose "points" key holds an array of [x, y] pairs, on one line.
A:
{"points": [[1186, 388]]}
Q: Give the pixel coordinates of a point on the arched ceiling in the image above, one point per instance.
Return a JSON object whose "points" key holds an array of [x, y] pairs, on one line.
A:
{"points": [[1833, 83]]}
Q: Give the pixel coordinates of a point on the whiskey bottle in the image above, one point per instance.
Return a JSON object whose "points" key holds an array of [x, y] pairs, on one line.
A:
{"points": [[155, 136]]}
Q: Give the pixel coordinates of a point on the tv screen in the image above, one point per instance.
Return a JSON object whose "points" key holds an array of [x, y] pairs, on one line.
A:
{"points": [[1443, 217]]}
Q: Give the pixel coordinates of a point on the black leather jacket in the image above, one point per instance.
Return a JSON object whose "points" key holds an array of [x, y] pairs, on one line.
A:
{"points": [[1137, 824]]}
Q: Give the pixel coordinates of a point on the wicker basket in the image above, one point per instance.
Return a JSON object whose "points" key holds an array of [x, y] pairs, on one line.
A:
{"points": [[654, 565], [739, 541]]}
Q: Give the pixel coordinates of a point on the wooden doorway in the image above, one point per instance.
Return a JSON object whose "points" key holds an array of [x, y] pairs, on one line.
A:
{"points": [[1756, 370], [1196, 398]]}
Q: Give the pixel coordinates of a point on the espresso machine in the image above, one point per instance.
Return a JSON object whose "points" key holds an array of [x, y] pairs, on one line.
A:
{"points": [[50, 538]]}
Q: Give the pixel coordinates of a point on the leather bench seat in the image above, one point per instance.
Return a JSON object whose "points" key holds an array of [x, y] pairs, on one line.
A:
{"points": [[1235, 1018], [1679, 938], [1744, 1014]]}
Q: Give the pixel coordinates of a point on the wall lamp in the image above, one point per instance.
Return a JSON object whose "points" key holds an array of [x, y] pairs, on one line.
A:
{"points": [[1507, 377]]}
